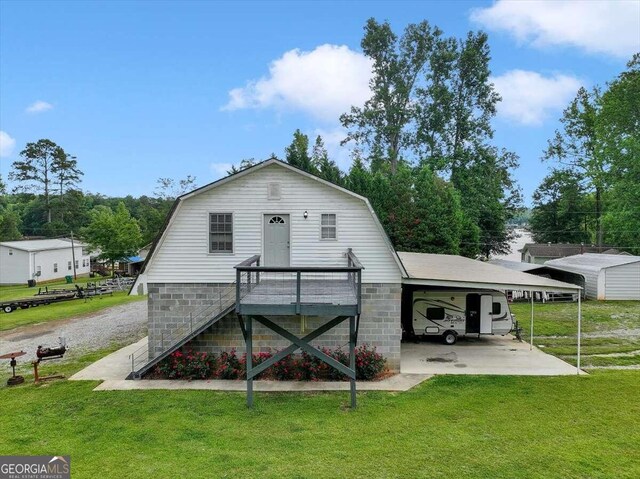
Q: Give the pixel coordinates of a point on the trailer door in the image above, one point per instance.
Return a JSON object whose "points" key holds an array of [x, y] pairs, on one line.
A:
{"points": [[486, 308]]}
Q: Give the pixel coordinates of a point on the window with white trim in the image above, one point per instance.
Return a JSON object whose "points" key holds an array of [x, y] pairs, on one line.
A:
{"points": [[77, 262], [55, 267], [220, 233], [69, 265], [328, 226]]}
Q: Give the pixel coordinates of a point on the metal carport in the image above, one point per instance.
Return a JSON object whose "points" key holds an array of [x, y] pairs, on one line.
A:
{"points": [[453, 271]]}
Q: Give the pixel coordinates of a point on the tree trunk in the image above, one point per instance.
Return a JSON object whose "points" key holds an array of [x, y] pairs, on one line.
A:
{"points": [[599, 216], [46, 190], [61, 201]]}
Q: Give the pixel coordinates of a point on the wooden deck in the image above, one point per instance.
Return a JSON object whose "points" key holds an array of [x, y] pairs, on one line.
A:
{"points": [[317, 297]]}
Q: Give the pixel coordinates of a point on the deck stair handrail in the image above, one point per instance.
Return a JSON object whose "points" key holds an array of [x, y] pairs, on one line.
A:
{"points": [[174, 339]]}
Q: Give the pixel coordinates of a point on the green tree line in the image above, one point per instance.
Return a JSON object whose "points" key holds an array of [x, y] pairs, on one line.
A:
{"points": [[592, 192]]}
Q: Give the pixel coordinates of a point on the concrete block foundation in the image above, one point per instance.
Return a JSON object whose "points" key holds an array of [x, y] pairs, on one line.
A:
{"points": [[170, 305]]}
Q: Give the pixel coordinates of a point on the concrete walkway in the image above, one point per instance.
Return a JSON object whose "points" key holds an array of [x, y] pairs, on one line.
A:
{"points": [[497, 355], [112, 369], [116, 365], [397, 382]]}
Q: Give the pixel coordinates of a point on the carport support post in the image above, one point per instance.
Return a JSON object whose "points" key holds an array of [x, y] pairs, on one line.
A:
{"points": [[579, 330], [531, 329]]}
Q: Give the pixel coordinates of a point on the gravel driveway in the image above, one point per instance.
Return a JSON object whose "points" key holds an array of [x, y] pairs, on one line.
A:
{"points": [[123, 324]]}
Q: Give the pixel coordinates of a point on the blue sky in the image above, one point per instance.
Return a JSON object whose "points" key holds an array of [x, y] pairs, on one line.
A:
{"points": [[144, 90]]}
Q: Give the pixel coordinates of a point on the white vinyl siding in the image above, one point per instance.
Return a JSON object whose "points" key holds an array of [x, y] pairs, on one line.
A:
{"points": [[181, 257], [220, 233], [22, 265], [328, 226]]}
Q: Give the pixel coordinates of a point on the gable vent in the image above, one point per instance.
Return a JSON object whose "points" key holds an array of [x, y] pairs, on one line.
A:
{"points": [[273, 191]]}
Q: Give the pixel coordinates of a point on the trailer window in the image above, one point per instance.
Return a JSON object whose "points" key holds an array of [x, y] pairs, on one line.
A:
{"points": [[435, 313], [496, 308]]}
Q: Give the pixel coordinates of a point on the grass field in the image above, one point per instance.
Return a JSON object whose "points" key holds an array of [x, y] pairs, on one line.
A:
{"points": [[17, 291], [56, 311], [451, 426], [604, 325]]}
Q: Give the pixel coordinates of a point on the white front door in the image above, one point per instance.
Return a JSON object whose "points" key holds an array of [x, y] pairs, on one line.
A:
{"points": [[276, 240], [486, 314]]}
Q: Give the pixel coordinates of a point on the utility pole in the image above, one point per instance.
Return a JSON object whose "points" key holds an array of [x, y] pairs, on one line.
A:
{"points": [[73, 257]]}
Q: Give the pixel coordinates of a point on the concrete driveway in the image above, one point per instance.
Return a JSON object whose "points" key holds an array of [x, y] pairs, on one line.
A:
{"points": [[500, 355]]}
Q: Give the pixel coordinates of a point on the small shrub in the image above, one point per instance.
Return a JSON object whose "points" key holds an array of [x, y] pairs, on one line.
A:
{"points": [[229, 366], [369, 363], [195, 365], [310, 368], [286, 369], [340, 356], [257, 358], [189, 365]]}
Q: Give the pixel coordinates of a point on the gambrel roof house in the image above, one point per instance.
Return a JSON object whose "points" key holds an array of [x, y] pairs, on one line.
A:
{"points": [[291, 251], [326, 253]]}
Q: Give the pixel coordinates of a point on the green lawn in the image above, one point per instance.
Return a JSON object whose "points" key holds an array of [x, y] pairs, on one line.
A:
{"points": [[451, 426], [555, 330], [18, 291], [63, 310]]}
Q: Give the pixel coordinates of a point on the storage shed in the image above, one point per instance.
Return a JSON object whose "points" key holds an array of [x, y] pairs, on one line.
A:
{"points": [[606, 276]]}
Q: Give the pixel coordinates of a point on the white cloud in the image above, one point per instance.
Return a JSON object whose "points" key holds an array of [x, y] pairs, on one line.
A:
{"points": [[529, 98], [6, 144], [324, 82], [609, 27], [39, 106]]}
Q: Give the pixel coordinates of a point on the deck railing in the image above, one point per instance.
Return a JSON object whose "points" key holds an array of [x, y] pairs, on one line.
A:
{"points": [[170, 339], [298, 289]]}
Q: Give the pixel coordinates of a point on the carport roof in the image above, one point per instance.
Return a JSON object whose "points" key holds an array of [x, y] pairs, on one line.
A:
{"points": [[460, 272]]}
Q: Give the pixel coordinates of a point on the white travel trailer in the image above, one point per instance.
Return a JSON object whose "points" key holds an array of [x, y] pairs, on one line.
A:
{"points": [[453, 313]]}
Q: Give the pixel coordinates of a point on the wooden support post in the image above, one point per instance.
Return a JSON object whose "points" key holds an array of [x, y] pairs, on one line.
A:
{"points": [[238, 276], [298, 286], [352, 358], [249, 341]]}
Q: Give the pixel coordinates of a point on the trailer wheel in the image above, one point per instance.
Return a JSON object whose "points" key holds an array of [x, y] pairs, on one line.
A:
{"points": [[8, 308], [449, 338]]}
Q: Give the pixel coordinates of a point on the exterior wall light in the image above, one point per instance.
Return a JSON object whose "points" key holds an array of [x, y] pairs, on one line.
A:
{"points": [[305, 214]]}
